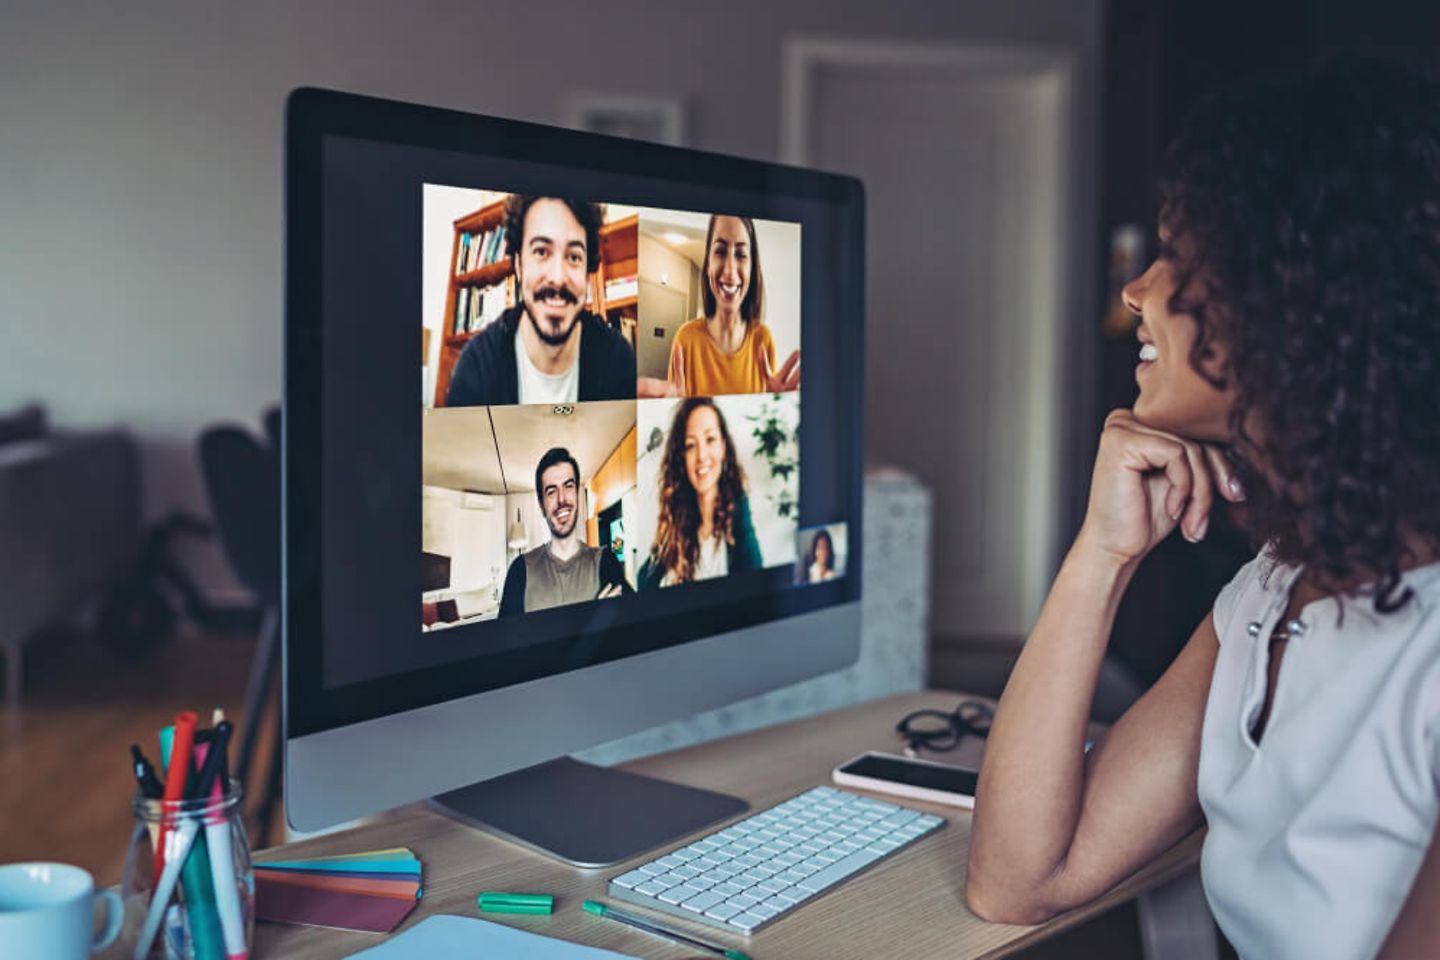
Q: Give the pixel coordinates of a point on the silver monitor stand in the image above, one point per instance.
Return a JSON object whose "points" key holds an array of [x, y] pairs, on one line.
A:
{"points": [[586, 815]]}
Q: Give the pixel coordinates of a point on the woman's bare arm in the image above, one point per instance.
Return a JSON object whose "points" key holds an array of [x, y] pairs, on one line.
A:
{"points": [[1053, 828]]}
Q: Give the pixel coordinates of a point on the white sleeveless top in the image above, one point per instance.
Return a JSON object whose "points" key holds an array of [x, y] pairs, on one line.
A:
{"points": [[1316, 834]]}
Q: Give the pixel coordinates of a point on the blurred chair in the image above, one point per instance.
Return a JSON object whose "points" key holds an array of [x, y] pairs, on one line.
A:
{"points": [[69, 526], [242, 478]]}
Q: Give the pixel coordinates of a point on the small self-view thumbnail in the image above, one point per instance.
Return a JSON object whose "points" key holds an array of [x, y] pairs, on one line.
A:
{"points": [[820, 553]]}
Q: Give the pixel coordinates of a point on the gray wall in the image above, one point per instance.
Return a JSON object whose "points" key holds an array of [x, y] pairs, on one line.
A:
{"points": [[140, 160]]}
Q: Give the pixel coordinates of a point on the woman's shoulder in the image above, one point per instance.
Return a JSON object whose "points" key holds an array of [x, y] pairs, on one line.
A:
{"points": [[691, 331], [759, 332], [1252, 587]]}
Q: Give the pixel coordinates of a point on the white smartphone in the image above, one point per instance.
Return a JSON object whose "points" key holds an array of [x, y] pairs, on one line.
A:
{"points": [[905, 777]]}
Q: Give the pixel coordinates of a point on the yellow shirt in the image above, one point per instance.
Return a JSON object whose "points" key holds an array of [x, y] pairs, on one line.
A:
{"points": [[710, 372]]}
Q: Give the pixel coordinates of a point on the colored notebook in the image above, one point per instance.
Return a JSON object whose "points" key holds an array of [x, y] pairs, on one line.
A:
{"points": [[372, 891]]}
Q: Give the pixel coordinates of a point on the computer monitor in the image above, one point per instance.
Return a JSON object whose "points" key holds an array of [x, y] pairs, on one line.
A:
{"points": [[572, 449]]}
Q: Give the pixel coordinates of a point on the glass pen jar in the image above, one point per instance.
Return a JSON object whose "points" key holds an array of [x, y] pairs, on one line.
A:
{"points": [[197, 902]]}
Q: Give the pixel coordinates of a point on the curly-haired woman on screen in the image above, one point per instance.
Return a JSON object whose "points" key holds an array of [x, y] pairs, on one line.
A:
{"points": [[705, 528], [1289, 357]]}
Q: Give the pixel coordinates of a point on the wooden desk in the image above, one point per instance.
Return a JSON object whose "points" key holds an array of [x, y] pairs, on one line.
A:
{"points": [[914, 899]]}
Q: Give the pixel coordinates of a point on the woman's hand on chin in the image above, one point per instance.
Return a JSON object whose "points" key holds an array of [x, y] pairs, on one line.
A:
{"points": [[1146, 483]]}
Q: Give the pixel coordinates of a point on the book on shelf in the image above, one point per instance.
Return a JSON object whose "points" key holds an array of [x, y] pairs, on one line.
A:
{"points": [[622, 287], [475, 307], [479, 250]]}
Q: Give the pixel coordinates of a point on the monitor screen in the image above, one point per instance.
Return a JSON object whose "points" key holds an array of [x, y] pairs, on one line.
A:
{"points": [[553, 400]]}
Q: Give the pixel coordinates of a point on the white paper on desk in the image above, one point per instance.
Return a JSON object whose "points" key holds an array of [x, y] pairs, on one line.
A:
{"points": [[445, 936]]}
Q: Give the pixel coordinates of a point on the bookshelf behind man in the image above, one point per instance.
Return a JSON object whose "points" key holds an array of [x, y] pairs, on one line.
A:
{"points": [[481, 282]]}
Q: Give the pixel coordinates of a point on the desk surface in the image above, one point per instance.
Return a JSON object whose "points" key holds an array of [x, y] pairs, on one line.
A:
{"points": [[915, 897]]}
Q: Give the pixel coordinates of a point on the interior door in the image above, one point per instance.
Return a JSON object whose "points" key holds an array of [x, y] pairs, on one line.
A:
{"points": [[963, 161]]}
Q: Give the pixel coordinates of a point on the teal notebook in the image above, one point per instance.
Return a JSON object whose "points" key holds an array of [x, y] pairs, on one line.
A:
{"points": [[464, 938]]}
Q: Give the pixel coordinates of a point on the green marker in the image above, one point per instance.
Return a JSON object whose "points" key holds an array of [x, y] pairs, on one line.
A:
{"points": [[649, 926], [537, 903]]}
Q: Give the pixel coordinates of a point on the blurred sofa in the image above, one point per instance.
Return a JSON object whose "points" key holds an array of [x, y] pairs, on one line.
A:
{"points": [[69, 524]]}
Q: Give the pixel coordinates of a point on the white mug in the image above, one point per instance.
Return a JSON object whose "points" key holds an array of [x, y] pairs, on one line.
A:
{"points": [[48, 910]]}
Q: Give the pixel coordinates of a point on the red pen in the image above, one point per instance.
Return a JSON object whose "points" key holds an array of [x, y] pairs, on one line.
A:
{"points": [[175, 776]]}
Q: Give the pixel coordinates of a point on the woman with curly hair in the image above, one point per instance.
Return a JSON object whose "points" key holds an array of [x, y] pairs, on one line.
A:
{"points": [[1289, 358], [705, 528]]}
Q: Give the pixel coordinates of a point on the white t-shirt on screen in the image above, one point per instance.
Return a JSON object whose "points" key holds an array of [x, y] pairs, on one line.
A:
{"points": [[537, 387]]}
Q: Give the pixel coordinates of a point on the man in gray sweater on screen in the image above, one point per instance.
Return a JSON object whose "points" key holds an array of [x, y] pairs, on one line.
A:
{"points": [[566, 569]]}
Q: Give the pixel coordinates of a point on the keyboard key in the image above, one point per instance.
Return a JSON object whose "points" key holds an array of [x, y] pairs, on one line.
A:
{"points": [[747, 921], [651, 889], [678, 895], [703, 901], [744, 901], [838, 871], [880, 806], [764, 911], [723, 911], [792, 895], [631, 880]]}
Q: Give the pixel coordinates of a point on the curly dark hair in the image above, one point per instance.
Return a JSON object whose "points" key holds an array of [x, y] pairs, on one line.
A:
{"points": [[677, 534], [1304, 226], [590, 215]]}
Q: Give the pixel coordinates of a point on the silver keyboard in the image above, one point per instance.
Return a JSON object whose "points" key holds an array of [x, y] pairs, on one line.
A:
{"points": [[759, 869]]}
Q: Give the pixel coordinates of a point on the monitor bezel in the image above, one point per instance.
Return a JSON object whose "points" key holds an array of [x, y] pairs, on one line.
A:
{"points": [[311, 116]]}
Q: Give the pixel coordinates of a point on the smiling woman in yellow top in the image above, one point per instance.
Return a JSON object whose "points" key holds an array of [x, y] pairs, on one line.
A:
{"points": [[729, 349]]}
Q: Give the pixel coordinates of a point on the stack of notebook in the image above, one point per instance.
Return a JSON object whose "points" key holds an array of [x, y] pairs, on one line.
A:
{"points": [[371, 891]]}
